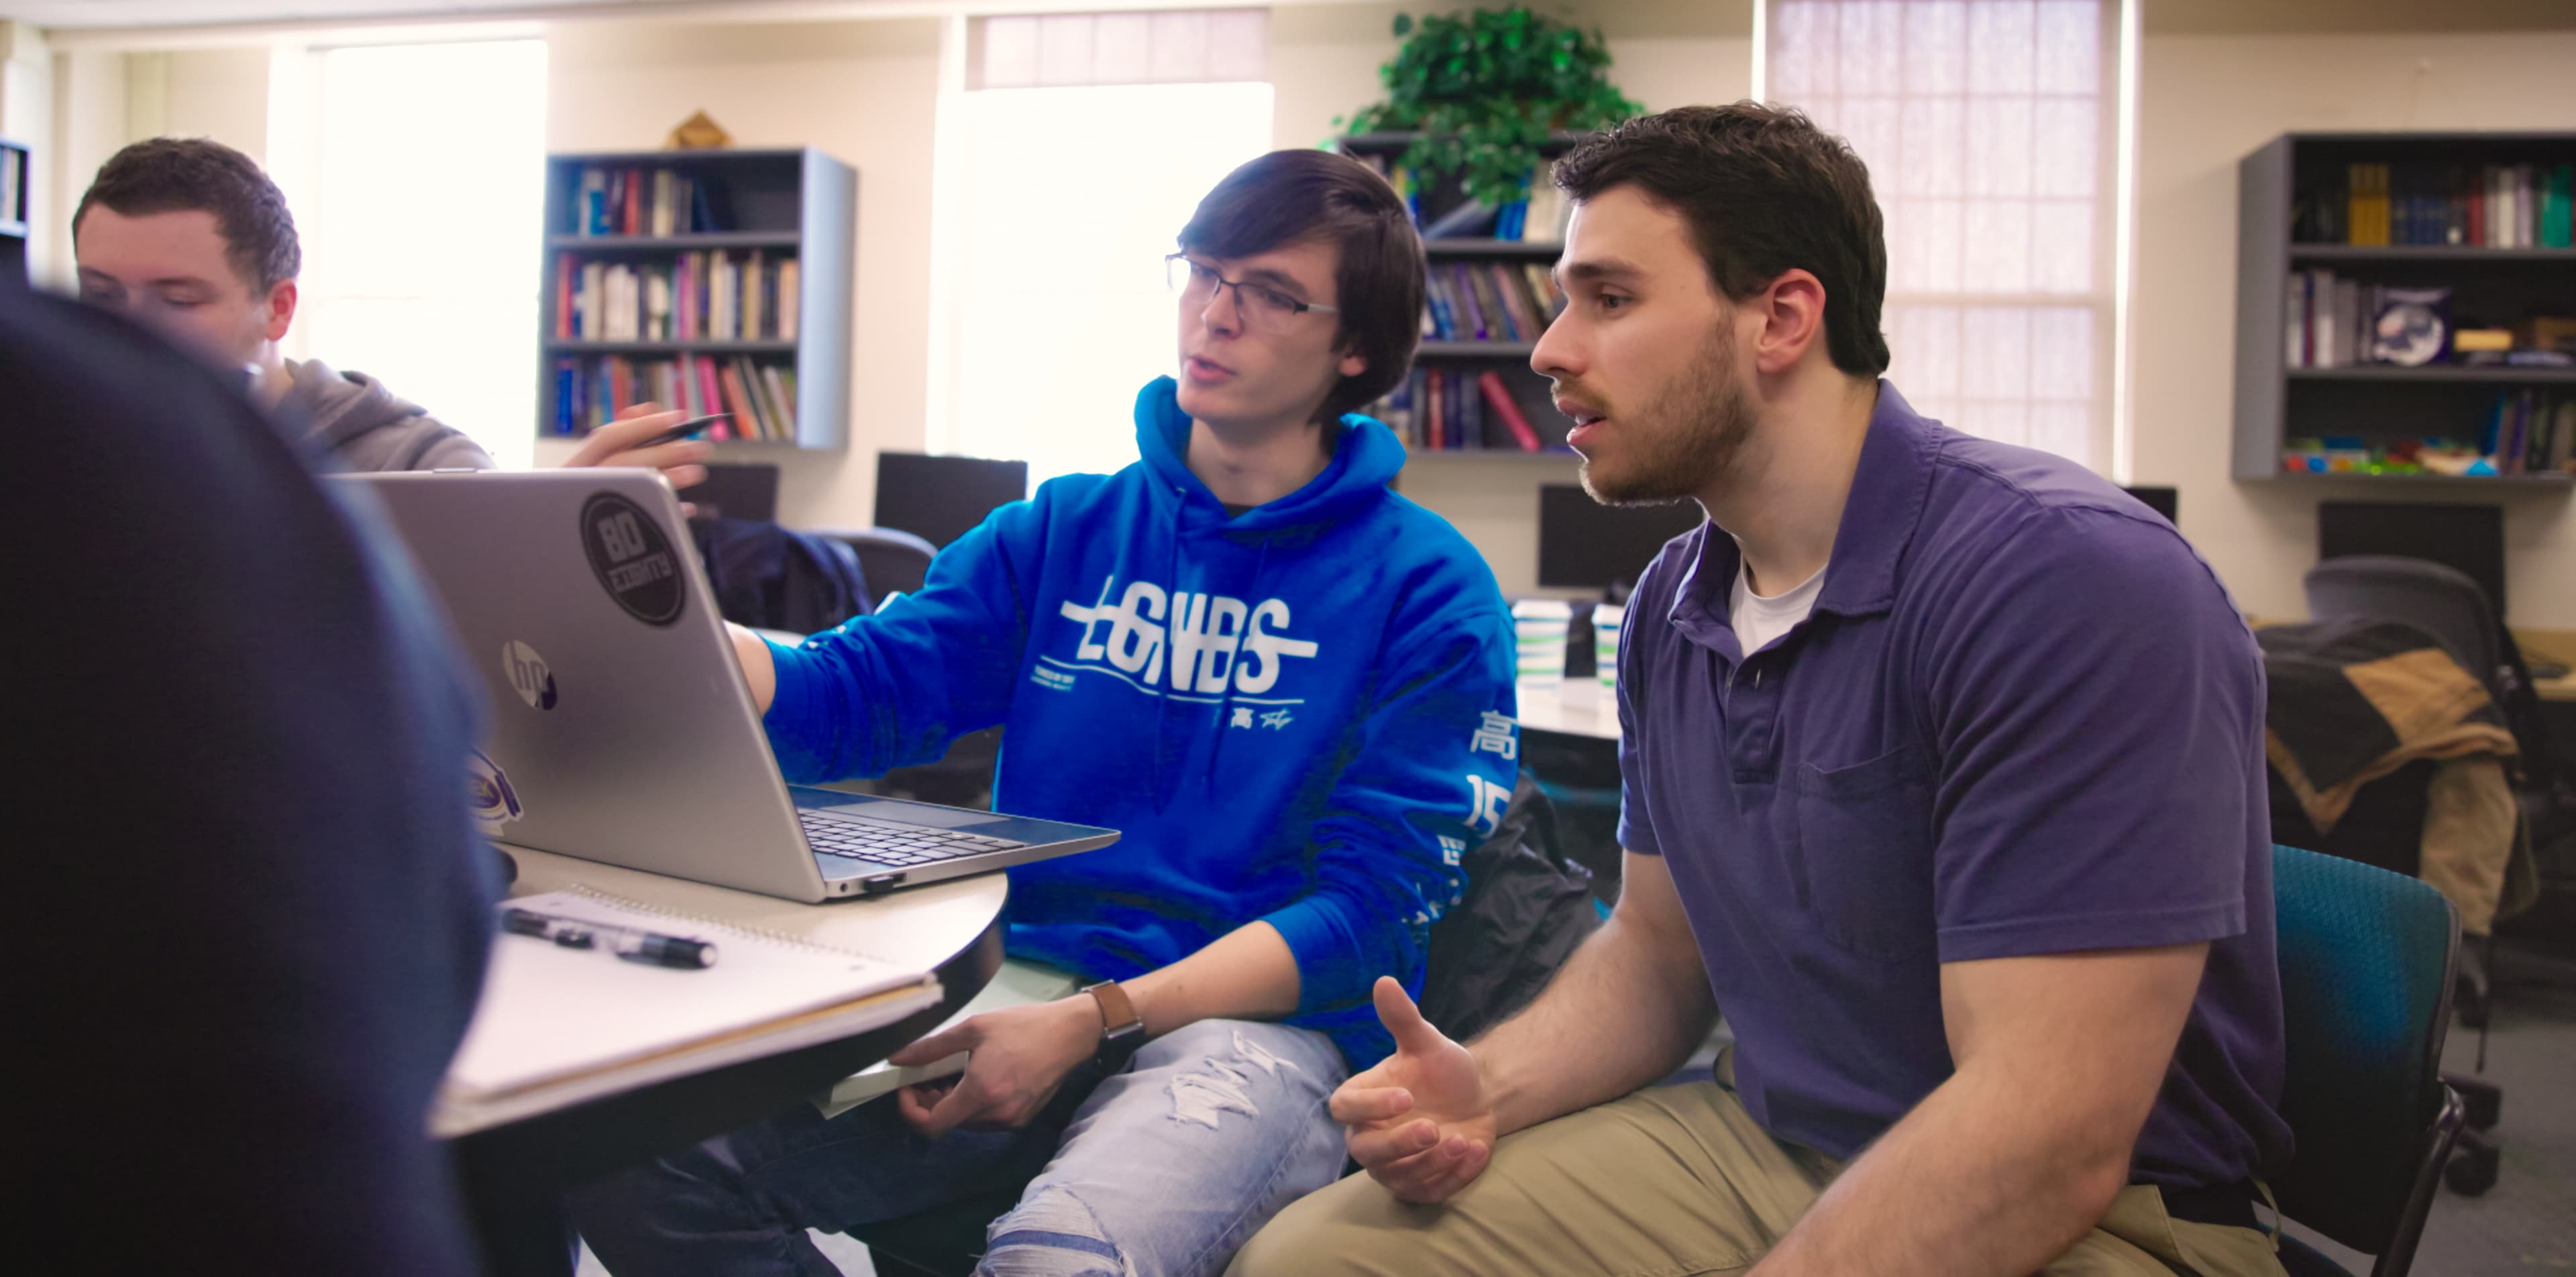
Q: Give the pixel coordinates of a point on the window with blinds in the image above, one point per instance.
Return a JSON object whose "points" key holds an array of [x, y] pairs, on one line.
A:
{"points": [[1990, 128]]}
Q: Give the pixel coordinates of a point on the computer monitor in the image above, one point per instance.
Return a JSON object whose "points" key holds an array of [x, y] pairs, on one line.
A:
{"points": [[2469, 538], [2161, 500], [940, 499], [1585, 545], [736, 492]]}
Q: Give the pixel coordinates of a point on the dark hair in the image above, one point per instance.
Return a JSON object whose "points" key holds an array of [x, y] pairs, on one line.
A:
{"points": [[195, 174], [1765, 191], [1295, 197]]}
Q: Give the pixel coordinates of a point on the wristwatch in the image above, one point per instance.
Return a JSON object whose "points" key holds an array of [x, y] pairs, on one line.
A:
{"points": [[1122, 1030]]}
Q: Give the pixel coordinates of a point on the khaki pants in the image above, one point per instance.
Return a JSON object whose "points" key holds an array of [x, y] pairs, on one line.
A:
{"points": [[1669, 1182]]}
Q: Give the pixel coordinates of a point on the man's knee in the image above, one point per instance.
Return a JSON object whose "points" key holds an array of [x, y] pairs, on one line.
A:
{"points": [[1349, 1228], [1052, 1233]]}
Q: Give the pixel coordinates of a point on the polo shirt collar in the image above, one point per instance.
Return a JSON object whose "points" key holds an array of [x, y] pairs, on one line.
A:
{"points": [[1888, 490]]}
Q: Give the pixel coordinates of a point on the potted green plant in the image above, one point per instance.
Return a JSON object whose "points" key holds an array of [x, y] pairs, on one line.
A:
{"points": [[1485, 88]]}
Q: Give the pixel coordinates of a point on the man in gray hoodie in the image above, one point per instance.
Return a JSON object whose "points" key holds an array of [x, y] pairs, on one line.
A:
{"points": [[190, 237]]}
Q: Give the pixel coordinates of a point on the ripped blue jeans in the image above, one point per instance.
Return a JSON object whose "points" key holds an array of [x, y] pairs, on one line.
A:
{"points": [[1162, 1170]]}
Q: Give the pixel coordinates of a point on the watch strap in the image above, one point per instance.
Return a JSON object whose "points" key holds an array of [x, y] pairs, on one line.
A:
{"points": [[1118, 1018]]}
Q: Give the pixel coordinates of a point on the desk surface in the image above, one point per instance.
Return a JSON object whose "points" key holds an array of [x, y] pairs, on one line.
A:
{"points": [[919, 928], [1578, 707], [2558, 647]]}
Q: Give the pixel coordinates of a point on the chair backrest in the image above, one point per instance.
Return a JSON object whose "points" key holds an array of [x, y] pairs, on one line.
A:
{"points": [[895, 561], [2439, 599], [2366, 963]]}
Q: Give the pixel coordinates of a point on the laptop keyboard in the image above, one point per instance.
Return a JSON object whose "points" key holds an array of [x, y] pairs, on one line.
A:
{"points": [[885, 842]]}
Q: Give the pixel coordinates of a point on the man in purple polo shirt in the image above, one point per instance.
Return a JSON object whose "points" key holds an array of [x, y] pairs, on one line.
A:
{"points": [[1944, 781]]}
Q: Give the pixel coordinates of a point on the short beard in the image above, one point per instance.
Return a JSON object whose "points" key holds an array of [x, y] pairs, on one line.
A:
{"points": [[1687, 439]]}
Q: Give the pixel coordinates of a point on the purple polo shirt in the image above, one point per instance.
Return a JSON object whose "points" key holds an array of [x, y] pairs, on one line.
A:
{"points": [[2023, 718]]}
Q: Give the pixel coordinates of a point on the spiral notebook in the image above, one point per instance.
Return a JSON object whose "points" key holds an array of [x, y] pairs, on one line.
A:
{"points": [[558, 1026]]}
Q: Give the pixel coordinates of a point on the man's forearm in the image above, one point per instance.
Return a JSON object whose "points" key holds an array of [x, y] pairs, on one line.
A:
{"points": [[1627, 1010], [1985, 1178], [1246, 974]]}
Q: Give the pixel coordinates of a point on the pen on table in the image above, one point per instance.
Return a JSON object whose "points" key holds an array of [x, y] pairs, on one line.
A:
{"points": [[684, 429], [650, 947]]}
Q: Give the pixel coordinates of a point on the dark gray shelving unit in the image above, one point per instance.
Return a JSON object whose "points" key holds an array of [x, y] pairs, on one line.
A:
{"points": [[16, 171], [2498, 286], [796, 202], [1510, 359]]}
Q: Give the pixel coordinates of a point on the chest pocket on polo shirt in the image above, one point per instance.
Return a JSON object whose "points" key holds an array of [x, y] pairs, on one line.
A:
{"points": [[1864, 852]]}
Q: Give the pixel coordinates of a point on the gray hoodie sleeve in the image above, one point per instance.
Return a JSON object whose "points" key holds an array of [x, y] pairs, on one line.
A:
{"points": [[366, 428]]}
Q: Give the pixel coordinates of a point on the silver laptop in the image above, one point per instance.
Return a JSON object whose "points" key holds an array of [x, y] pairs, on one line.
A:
{"points": [[621, 728]]}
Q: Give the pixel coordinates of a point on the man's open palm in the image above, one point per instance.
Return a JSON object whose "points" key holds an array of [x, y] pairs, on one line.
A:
{"points": [[1419, 1120]]}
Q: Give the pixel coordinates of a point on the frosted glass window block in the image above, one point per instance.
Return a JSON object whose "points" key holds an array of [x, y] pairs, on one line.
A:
{"points": [[1873, 32], [1122, 48], [1874, 127], [1064, 49], [1943, 410], [1010, 53], [2002, 420], [1923, 247], [1998, 248], [2000, 55], [1936, 147], [1995, 353], [2069, 47], [1180, 46], [1936, 47], [2065, 132], [1800, 63], [1238, 42], [1923, 345], [2063, 428], [2061, 353], [2061, 246], [1999, 145]]}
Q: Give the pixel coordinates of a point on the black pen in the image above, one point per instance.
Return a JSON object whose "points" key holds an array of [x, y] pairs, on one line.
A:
{"points": [[633, 945], [683, 430]]}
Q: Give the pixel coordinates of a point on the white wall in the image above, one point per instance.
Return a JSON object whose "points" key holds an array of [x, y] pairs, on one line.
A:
{"points": [[1324, 61], [864, 92], [2204, 102]]}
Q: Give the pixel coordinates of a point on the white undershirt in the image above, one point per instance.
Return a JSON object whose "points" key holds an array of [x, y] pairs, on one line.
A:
{"points": [[1758, 621]]}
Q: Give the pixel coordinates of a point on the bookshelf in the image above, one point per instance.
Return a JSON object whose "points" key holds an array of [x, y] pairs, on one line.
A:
{"points": [[2429, 226], [15, 174], [1506, 277], [716, 281]]}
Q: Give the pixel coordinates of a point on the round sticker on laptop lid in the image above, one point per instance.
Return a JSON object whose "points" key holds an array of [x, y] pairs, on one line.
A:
{"points": [[633, 560]]}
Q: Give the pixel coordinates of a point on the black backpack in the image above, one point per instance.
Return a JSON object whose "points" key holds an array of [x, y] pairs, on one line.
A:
{"points": [[1525, 910]]}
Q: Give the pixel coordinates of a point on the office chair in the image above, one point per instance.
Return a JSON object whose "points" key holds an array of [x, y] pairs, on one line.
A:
{"points": [[2366, 960], [2436, 598], [895, 561]]}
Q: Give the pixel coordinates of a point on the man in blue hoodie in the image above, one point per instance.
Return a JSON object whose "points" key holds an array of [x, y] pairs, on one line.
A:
{"points": [[1289, 686]]}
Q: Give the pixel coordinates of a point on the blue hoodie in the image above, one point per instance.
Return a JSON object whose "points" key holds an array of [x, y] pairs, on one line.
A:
{"points": [[1300, 714]]}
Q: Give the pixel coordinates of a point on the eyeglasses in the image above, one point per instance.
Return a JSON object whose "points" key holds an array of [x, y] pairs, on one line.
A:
{"points": [[1198, 284]]}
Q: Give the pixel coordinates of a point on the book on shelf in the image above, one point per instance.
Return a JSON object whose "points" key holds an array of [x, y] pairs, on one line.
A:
{"points": [[659, 203], [1489, 301], [2475, 206], [1498, 397], [695, 296], [590, 392]]}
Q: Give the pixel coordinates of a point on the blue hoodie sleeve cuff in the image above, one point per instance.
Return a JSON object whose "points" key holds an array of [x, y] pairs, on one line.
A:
{"points": [[794, 708], [1327, 959]]}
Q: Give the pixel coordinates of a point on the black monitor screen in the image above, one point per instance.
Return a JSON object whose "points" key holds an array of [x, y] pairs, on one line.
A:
{"points": [[940, 499], [1585, 545], [2469, 538], [2163, 501], [737, 492]]}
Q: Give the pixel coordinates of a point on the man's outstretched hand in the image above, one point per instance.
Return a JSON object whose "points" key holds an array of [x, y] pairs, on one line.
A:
{"points": [[1419, 1121]]}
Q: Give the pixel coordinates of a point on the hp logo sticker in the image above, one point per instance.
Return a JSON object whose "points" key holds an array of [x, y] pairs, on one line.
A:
{"points": [[528, 674]]}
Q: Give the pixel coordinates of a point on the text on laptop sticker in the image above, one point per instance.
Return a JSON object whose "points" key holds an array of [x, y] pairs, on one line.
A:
{"points": [[632, 558]]}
